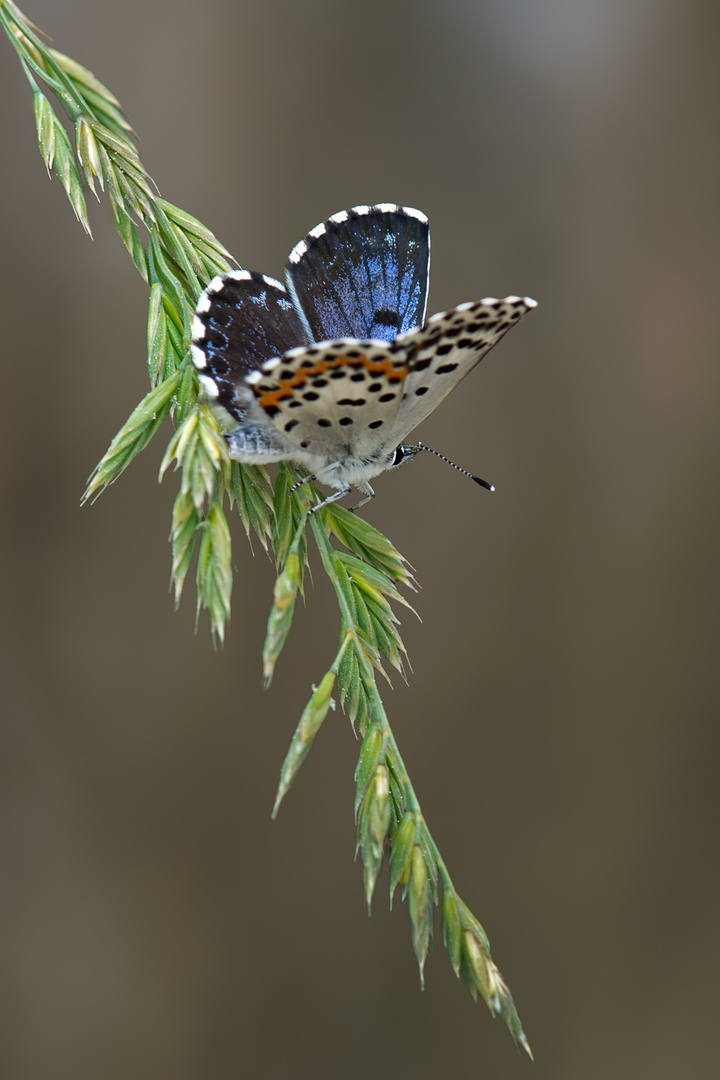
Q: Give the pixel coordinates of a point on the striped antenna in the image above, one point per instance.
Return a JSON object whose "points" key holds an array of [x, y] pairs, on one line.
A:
{"points": [[477, 479]]}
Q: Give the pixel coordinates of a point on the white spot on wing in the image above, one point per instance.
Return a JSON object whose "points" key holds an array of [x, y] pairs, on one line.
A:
{"points": [[339, 218], [319, 230], [529, 302], [270, 365], [198, 356], [239, 275], [297, 252], [489, 300], [209, 386], [273, 283], [198, 328], [361, 209], [387, 207], [203, 303], [216, 284], [414, 213], [253, 377]]}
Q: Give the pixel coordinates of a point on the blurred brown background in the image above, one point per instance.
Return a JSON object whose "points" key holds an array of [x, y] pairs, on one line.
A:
{"points": [[561, 723]]}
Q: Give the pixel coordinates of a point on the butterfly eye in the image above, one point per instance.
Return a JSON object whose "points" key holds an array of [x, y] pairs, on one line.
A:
{"points": [[402, 453]]}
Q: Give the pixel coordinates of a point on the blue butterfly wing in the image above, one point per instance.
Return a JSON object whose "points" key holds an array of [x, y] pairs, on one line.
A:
{"points": [[363, 273]]}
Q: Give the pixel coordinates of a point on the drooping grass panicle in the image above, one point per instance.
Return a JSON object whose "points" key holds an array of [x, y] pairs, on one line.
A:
{"points": [[176, 255]]}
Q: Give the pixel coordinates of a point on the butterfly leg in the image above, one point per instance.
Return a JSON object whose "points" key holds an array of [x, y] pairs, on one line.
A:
{"points": [[345, 490], [299, 483], [333, 498], [365, 490]]}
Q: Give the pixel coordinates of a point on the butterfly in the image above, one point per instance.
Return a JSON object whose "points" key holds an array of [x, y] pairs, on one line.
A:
{"points": [[334, 370]]}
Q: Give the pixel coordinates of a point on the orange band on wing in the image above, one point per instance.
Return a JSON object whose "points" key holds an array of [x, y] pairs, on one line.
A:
{"points": [[271, 398]]}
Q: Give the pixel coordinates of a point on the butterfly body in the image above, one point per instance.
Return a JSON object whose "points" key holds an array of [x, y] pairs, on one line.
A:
{"points": [[335, 371]]}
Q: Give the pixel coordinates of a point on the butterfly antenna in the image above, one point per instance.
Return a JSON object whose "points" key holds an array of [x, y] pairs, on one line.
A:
{"points": [[477, 479]]}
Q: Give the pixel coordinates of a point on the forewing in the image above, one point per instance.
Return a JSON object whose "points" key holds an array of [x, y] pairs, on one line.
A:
{"points": [[363, 273], [336, 399], [241, 320], [448, 347]]}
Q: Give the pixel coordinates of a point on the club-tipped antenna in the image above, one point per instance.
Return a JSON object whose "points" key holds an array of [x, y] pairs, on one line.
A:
{"points": [[477, 479]]}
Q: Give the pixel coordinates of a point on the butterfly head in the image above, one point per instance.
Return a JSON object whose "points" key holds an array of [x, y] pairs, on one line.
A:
{"points": [[403, 453]]}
